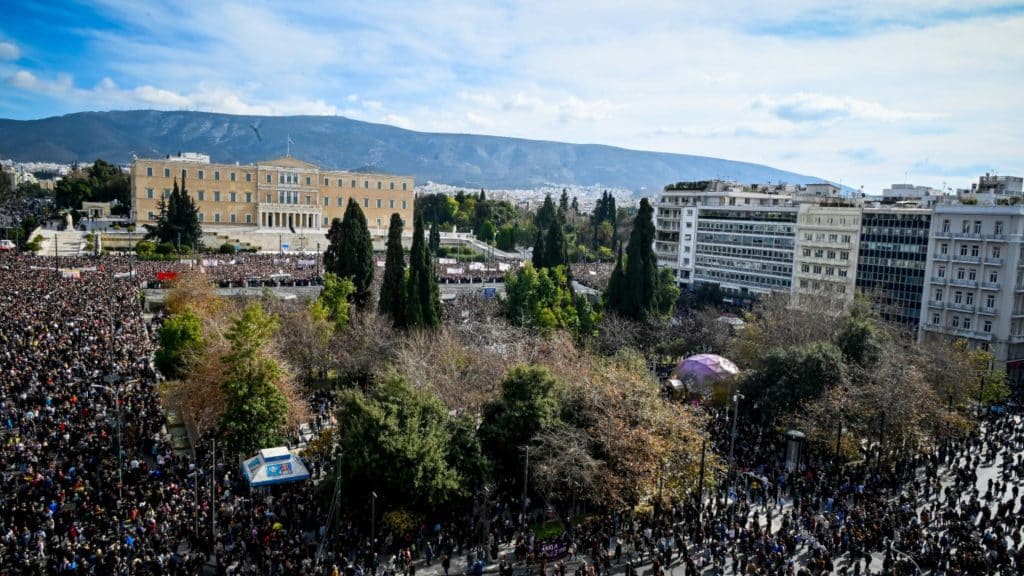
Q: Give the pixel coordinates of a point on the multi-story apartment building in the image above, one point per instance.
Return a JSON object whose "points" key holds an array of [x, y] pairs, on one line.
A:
{"points": [[974, 280], [892, 258], [281, 194], [827, 245], [739, 238]]}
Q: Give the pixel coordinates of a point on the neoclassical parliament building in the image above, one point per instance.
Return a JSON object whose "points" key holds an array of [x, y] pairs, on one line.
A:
{"points": [[274, 196]]}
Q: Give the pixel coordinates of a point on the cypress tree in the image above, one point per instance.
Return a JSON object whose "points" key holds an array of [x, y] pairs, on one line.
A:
{"points": [[540, 256], [613, 293], [563, 204], [423, 303], [356, 254], [641, 270], [332, 256], [392, 289], [555, 246], [545, 214], [435, 237]]}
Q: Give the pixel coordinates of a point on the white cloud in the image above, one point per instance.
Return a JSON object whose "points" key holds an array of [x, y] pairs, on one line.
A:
{"points": [[823, 108], [9, 51], [23, 79]]}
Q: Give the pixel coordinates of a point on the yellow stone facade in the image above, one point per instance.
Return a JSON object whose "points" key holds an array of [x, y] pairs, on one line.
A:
{"points": [[275, 195]]}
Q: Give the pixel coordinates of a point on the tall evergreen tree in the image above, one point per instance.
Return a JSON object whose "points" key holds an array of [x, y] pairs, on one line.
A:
{"points": [[556, 249], [613, 293], [178, 221], [575, 205], [540, 255], [423, 302], [332, 256], [641, 274], [356, 252], [545, 214], [435, 237], [563, 204], [392, 288]]}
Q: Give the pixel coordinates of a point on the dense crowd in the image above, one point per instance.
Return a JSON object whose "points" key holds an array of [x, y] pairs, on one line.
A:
{"points": [[91, 485]]}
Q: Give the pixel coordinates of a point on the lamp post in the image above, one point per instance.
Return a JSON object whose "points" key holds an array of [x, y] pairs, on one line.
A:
{"points": [[526, 478], [700, 486], [111, 379], [373, 519]]}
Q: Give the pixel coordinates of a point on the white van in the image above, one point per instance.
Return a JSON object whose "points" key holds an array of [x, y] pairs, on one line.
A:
{"points": [[6, 245]]}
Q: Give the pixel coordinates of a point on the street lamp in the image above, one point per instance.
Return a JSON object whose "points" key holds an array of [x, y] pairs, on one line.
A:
{"points": [[373, 519], [732, 441], [111, 379]]}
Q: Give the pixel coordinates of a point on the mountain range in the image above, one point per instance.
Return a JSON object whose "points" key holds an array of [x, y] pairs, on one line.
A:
{"points": [[335, 142]]}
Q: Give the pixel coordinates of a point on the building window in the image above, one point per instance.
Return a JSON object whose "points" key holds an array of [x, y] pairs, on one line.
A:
{"points": [[993, 276], [167, 192], [986, 326], [216, 174], [807, 252], [232, 196], [967, 323], [403, 185], [977, 226], [958, 297], [956, 322], [339, 182], [963, 249], [391, 204], [327, 201], [960, 274], [805, 268], [248, 197], [380, 203], [353, 183], [201, 218], [232, 176], [403, 203], [391, 186], [167, 172], [149, 193], [970, 299], [817, 269], [938, 294], [379, 185], [327, 181], [309, 181], [378, 223], [309, 200], [201, 195], [990, 301], [972, 274], [232, 217], [366, 183], [935, 319], [995, 252], [942, 272], [248, 218], [216, 216], [999, 227], [325, 217], [842, 273], [844, 255], [974, 250], [216, 195], [248, 177], [201, 174], [150, 216], [340, 201], [366, 202], [149, 171]]}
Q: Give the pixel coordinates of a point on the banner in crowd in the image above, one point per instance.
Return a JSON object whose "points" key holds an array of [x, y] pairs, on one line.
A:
{"points": [[306, 263], [71, 273], [166, 275], [453, 270]]}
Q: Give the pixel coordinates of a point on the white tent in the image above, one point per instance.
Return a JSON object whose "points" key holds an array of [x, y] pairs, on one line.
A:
{"points": [[274, 466]]}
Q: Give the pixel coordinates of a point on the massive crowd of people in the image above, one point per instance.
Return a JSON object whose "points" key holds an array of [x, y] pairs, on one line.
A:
{"points": [[91, 484]]}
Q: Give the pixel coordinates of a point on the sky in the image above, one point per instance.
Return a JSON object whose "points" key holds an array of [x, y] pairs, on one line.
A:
{"points": [[865, 93]]}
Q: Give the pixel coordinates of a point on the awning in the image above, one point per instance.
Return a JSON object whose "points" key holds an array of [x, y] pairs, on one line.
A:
{"points": [[274, 466]]}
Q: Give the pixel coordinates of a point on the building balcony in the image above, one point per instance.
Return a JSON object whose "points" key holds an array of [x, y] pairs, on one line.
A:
{"points": [[960, 332], [667, 255], [961, 307], [936, 303], [943, 234], [993, 261], [962, 282], [940, 280], [941, 257], [990, 285], [987, 310], [1016, 339], [995, 237], [966, 259], [967, 236]]}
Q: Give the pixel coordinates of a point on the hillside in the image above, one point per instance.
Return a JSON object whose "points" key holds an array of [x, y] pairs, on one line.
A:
{"points": [[341, 143]]}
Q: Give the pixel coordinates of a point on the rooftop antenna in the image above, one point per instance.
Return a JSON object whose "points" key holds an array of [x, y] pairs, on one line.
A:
{"points": [[289, 149]]}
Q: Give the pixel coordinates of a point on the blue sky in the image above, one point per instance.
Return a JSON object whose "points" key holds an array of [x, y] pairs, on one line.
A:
{"points": [[869, 93]]}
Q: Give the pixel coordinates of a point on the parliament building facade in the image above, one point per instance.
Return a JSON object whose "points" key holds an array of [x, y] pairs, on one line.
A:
{"points": [[275, 195]]}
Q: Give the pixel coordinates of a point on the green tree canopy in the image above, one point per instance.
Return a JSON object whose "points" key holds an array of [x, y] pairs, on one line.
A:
{"points": [[422, 300], [791, 377], [486, 233], [350, 251], [256, 407], [392, 289], [398, 441], [178, 221], [333, 303], [181, 338]]}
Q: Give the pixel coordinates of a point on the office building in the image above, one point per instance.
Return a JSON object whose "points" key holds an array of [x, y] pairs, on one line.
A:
{"points": [[827, 245], [891, 262]]}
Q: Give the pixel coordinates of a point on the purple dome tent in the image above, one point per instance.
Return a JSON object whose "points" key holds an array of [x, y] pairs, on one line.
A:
{"points": [[703, 370]]}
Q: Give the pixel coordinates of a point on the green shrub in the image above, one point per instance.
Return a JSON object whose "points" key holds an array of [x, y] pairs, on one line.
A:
{"points": [[227, 248]]}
